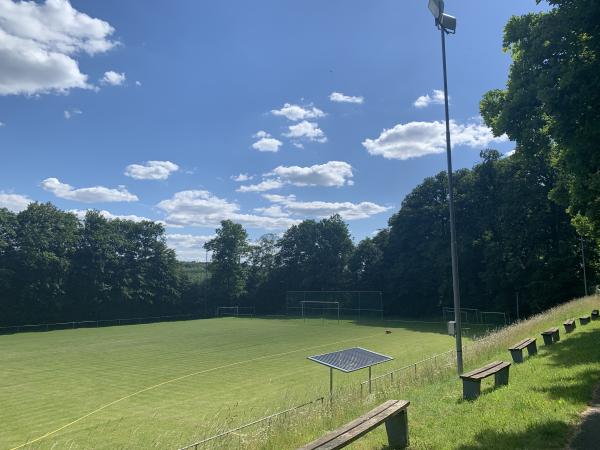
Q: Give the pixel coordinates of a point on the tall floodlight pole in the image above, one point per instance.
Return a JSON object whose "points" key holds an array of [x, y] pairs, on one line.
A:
{"points": [[583, 266], [447, 25]]}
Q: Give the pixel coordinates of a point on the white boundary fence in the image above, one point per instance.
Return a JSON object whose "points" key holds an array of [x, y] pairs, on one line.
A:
{"points": [[94, 323]]}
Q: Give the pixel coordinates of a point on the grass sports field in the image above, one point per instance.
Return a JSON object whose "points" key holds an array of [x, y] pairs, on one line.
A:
{"points": [[167, 384]]}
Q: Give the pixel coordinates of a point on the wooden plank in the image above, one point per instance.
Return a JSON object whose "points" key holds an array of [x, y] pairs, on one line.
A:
{"points": [[382, 412], [523, 344], [355, 433], [569, 322], [491, 368], [550, 331]]}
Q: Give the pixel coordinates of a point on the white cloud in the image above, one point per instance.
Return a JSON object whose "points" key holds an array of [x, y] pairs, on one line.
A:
{"points": [[151, 170], [272, 211], [266, 185], [309, 131], [87, 195], [320, 209], [332, 173], [14, 202], [338, 97], [242, 177], [138, 83], [113, 78], [266, 143], [2, 124], [416, 139], [436, 98], [203, 209], [297, 112], [80, 213], [189, 247], [68, 113], [510, 153], [39, 43]]}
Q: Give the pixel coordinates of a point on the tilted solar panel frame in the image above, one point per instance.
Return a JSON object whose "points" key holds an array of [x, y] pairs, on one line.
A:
{"points": [[356, 358]]}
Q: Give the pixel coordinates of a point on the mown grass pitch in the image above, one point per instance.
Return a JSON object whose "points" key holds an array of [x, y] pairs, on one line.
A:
{"points": [[168, 384]]}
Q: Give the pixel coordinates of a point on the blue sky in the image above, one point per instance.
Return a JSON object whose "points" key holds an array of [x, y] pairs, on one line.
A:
{"points": [[152, 109]]}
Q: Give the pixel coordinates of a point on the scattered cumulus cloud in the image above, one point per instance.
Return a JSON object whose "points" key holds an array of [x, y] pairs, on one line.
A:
{"points": [[320, 209], [87, 195], [113, 78], [198, 208], [80, 213], [266, 143], [330, 174], [306, 130], [242, 177], [151, 170], [436, 98], [297, 112], [68, 113], [14, 202], [510, 153], [138, 83], [416, 139], [266, 185], [40, 43], [338, 97]]}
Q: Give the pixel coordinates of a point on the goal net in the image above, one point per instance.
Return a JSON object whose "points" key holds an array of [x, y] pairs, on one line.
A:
{"points": [[311, 309], [351, 304], [467, 315], [235, 311]]}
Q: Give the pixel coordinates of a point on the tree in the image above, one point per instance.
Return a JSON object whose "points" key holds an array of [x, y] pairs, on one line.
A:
{"points": [[228, 275], [550, 105]]}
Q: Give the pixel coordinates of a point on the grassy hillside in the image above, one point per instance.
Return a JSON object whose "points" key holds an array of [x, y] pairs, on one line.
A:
{"points": [[166, 384], [537, 410]]}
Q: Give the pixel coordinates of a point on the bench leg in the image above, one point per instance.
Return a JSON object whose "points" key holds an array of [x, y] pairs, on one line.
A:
{"points": [[501, 377], [471, 389], [557, 336], [517, 355], [397, 430], [548, 339], [532, 349]]}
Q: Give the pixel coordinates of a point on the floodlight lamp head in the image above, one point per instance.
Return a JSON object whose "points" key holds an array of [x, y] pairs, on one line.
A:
{"points": [[437, 8], [448, 23]]}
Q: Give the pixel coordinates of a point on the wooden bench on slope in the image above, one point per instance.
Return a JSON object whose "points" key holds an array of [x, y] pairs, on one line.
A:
{"points": [[595, 314], [551, 335], [393, 413], [472, 380], [569, 325], [516, 350], [584, 320]]}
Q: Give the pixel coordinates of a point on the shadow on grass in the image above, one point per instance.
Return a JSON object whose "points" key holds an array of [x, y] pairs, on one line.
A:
{"points": [[550, 435]]}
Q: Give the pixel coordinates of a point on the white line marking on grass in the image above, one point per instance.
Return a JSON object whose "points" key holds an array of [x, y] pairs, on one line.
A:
{"points": [[50, 433]]}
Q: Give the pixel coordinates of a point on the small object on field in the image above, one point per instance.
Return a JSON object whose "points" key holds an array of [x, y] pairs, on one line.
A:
{"points": [[388, 331]]}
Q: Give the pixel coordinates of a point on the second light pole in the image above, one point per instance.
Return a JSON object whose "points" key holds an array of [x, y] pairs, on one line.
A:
{"points": [[447, 25]]}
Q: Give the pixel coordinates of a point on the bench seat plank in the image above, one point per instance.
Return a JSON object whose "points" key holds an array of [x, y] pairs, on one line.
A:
{"points": [[351, 431], [485, 371], [523, 344], [550, 330]]}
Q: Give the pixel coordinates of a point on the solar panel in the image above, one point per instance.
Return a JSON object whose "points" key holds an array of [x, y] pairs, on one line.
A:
{"points": [[350, 359]]}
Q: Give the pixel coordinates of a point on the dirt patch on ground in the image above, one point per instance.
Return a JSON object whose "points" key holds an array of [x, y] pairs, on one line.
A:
{"points": [[586, 437]]}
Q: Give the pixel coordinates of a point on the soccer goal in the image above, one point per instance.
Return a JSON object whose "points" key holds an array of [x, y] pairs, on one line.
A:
{"points": [[352, 304], [467, 315], [235, 311], [312, 309]]}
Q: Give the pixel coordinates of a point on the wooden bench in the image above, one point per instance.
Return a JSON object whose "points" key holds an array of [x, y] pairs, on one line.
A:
{"points": [[516, 350], [472, 380], [569, 325], [551, 335], [595, 314], [584, 320], [393, 413]]}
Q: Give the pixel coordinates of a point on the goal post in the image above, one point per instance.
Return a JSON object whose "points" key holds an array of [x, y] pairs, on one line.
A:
{"points": [[307, 305], [352, 304]]}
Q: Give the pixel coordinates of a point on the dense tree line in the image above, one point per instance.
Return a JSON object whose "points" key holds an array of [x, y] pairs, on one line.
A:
{"points": [[512, 239], [54, 267]]}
